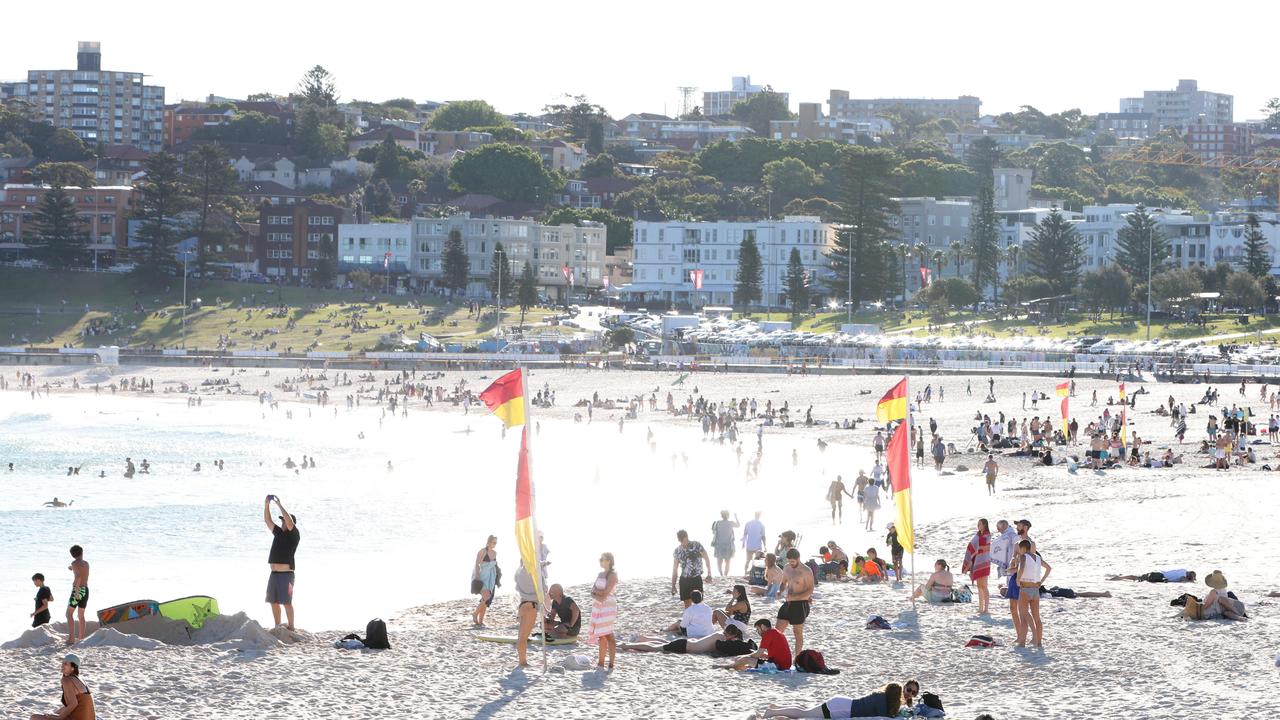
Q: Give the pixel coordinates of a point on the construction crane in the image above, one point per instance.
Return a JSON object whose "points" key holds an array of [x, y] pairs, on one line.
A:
{"points": [[1186, 157]]}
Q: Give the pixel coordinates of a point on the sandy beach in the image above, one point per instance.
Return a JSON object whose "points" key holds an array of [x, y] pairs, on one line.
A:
{"points": [[1128, 655]]}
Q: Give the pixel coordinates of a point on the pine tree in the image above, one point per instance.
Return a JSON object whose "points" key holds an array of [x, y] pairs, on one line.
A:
{"points": [[1055, 253], [325, 269], [59, 228], [1257, 259], [211, 180], [861, 248], [984, 231], [164, 195], [527, 295], [500, 275], [797, 282], [457, 267], [750, 276], [1139, 240]]}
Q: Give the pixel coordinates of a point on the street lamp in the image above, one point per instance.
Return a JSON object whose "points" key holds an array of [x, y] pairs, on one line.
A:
{"points": [[1150, 241]]}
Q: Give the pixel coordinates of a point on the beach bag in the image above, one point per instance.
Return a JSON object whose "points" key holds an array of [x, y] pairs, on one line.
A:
{"points": [[375, 635], [811, 661], [875, 622], [981, 641], [1181, 600], [477, 586]]}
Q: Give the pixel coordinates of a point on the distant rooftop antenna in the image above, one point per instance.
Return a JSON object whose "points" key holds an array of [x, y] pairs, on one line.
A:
{"points": [[686, 98]]}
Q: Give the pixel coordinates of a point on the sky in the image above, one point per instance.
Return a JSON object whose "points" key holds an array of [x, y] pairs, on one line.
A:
{"points": [[632, 57]]}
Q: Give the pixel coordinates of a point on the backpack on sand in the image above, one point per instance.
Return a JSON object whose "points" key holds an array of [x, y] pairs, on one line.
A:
{"points": [[375, 635], [811, 661]]}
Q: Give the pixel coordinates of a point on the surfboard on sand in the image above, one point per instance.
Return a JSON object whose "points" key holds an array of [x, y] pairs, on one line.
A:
{"points": [[128, 611], [195, 609], [511, 640]]}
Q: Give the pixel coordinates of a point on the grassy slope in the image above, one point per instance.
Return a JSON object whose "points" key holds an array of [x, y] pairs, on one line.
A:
{"points": [[327, 311]]}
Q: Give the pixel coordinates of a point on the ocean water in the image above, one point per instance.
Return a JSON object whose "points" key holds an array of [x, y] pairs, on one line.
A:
{"points": [[374, 541]]}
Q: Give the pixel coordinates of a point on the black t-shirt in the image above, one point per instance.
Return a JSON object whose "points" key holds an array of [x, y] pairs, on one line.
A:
{"points": [[563, 609], [735, 647], [42, 595], [284, 543]]}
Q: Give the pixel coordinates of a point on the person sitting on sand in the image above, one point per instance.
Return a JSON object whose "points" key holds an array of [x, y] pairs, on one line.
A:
{"points": [[696, 619], [772, 578], [77, 703], [1217, 604], [691, 645], [873, 568], [773, 649], [564, 617], [938, 587], [1160, 576], [738, 609], [836, 561], [882, 703]]}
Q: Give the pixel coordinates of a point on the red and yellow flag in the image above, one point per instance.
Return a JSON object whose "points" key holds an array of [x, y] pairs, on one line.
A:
{"points": [[1124, 426], [899, 459], [505, 398], [893, 406], [1064, 389]]}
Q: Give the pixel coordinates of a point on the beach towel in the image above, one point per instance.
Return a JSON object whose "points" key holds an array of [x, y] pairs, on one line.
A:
{"points": [[977, 557]]}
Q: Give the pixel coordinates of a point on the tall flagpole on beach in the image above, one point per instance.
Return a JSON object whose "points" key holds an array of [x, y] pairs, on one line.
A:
{"points": [[533, 511], [910, 420]]}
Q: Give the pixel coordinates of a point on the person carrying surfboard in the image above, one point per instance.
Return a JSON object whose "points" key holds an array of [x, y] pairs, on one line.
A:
{"points": [[284, 543]]}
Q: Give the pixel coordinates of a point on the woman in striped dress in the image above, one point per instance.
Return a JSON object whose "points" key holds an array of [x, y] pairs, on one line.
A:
{"points": [[977, 562], [604, 610]]}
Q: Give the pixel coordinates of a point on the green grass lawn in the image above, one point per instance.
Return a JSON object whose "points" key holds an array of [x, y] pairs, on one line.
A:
{"points": [[311, 318]]}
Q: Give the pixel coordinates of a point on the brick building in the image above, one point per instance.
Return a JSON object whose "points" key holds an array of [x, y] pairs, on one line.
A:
{"points": [[104, 211], [291, 237]]}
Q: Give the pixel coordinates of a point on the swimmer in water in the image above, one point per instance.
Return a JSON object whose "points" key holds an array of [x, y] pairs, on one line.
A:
{"points": [[55, 502]]}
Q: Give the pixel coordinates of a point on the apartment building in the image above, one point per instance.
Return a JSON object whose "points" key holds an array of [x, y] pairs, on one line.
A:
{"points": [[1184, 105], [99, 106], [931, 226], [963, 109], [382, 249], [667, 253], [1213, 140], [1012, 188], [811, 124], [103, 210], [566, 259], [291, 237], [960, 142], [1127, 125], [721, 102]]}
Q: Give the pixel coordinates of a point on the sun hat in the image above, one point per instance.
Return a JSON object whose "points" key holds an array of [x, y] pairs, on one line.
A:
{"points": [[889, 527], [1216, 580], [71, 659]]}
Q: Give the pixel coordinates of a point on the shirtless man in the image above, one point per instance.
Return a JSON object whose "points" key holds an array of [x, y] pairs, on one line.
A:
{"points": [[835, 496], [859, 488], [78, 598], [991, 468], [797, 583]]}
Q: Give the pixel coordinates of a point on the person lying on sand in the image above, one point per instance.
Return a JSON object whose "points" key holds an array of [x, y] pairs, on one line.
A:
{"points": [[881, 703], [706, 645], [1160, 576]]}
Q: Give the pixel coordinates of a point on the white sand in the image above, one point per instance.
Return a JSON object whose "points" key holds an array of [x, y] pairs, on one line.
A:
{"points": [[1128, 656]]}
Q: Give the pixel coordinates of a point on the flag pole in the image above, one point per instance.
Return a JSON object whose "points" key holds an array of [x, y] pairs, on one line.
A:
{"points": [[911, 498], [533, 512]]}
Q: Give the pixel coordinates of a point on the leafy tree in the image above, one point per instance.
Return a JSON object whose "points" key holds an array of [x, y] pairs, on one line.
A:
{"points": [[463, 114], [1246, 291], [1174, 286], [579, 117], [935, 179], [595, 138], [750, 276], [602, 165], [325, 269], [1272, 109], [758, 110], [389, 164], [378, 199], [64, 146], [1107, 288], [457, 267], [620, 337], [860, 259], [789, 179], [1060, 164], [210, 180], [527, 293], [504, 133], [1257, 259], [506, 171], [1063, 125], [500, 275], [318, 139], [318, 88], [1025, 288], [821, 207], [943, 295], [246, 127], [403, 103], [64, 174], [164, 195], [797, 284], [618, 229], [1055, 252], [1066, 197], [59, 228], [984, 231], [1141, 246]]}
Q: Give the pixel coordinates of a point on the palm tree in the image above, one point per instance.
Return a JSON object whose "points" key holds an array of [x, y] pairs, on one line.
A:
{"points": [[957, 249], [1012, 254], [903, 252], [938, 258], [922, 254]]}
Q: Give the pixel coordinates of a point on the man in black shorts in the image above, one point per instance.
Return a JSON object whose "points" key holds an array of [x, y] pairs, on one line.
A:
{"points": [[797, 586], [686, 566], [284, 543]]}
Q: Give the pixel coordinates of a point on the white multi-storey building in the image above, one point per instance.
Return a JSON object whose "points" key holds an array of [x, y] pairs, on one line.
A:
{"points": [[379, 248], [721, 102], [667, 253]]}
